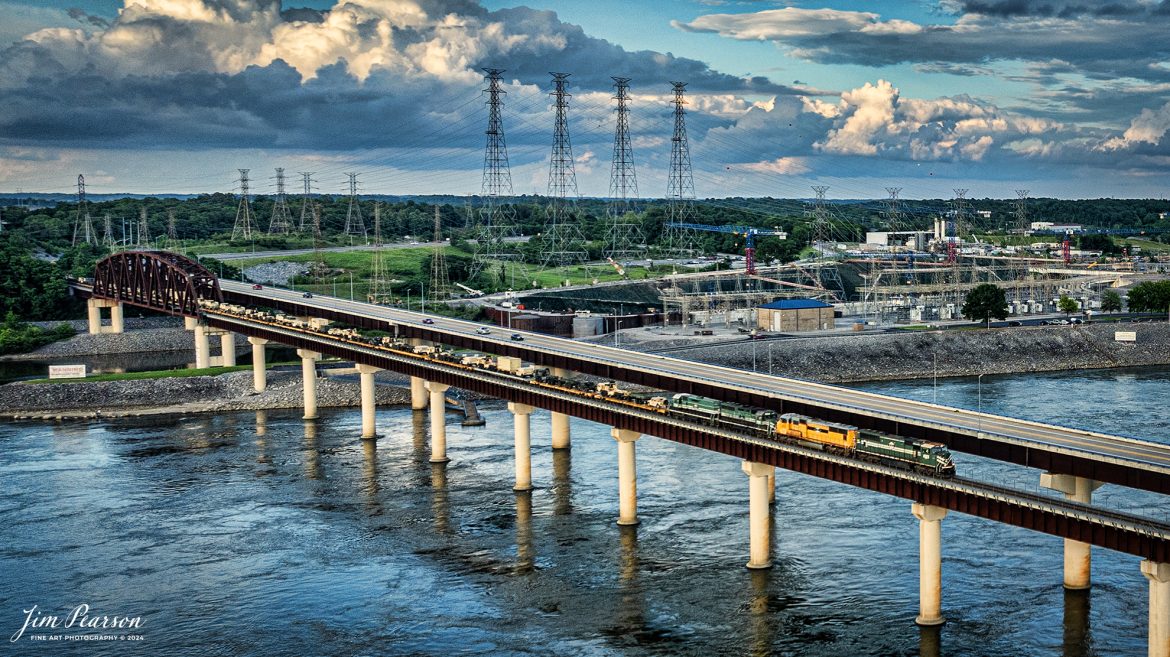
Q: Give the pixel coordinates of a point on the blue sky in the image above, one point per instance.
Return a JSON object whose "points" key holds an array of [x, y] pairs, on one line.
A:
{"points": [[1064, 98]]}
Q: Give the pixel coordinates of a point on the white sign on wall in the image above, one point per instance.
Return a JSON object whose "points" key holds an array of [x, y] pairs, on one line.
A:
{"points": [[67, 371], [1125, 336]]}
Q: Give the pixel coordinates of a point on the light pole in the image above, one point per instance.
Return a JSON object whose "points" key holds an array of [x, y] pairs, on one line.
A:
{"points": [[979, 392], [936, 377]]}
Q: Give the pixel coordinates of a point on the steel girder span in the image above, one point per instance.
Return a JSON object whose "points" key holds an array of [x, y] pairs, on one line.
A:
{"points": [[158, 280]]}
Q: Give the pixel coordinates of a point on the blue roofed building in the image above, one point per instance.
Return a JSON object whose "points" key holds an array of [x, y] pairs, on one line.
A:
{"points": [[791, 315]]}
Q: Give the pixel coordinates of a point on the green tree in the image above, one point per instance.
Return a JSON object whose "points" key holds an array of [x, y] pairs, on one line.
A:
{"points": [[1067, 305], [1149, 297], [984, 302], [1110, 301]]}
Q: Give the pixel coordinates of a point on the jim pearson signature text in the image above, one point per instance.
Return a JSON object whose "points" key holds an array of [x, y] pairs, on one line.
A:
{"points": [[79, 618]]}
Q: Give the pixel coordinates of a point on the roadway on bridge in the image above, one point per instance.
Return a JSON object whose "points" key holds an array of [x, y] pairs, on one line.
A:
{"points": [[1148, 456]]}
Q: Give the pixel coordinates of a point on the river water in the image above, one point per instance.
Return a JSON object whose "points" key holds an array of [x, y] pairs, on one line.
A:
{"points": [[261, 534]]}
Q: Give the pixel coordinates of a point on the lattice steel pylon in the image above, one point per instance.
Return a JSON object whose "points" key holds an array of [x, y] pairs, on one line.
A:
{"points": [[1021, 270], [562, 240], [143, 237], [821, 229], [172, 225], [496, 217], [354, 224], [960, 212], [281, 221], [307, 202], [82, 223], [625, 238], [108, 233], [680, 189], [243, 227], [440, 277], [379, 285], [895, 219]]}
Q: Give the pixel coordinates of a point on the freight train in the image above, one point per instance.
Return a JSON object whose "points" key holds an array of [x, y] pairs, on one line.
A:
{"points": [[842, 439]]}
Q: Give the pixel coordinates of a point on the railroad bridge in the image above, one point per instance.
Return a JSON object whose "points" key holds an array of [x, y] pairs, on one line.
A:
{"points": [[1073, 462]]}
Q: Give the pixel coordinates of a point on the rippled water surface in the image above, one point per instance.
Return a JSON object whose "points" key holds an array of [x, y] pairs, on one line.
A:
{"points": [[261, 534]]}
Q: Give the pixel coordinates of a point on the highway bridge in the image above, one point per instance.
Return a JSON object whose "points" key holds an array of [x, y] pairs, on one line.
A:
{"points": [[1073, 461]]}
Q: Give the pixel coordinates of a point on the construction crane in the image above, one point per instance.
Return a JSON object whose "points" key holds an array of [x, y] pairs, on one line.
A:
{"points": [[618, 268], [749, 233], [469, 291]]}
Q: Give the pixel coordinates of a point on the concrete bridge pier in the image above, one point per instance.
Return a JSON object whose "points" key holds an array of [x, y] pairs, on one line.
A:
{"points": [[929, 563], [1078, 556], [759, 474], [627, 476], [418, 393], [94, 312], [1159, 576], [521, 420], [369, 403], [309, 374], [202, 345], [560, 421], [438, 421], [259, 364], [227, 349]]}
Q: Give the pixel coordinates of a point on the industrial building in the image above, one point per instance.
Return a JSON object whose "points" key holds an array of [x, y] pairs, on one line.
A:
{"points": [[795, 315]]}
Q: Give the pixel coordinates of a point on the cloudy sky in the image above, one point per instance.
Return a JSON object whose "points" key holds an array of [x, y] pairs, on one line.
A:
{"points": [[1066, 98]]}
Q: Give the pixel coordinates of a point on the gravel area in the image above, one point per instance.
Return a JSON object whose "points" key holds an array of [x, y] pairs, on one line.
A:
{"points": [[275, 273], [143, 341]]}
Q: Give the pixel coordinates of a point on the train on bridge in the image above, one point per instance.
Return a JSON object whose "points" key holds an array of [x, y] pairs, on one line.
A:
{"points": [[923, 456]]}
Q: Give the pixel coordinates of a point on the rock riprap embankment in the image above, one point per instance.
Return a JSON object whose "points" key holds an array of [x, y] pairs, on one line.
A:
{"points": [[226, 392], [839, 359]]}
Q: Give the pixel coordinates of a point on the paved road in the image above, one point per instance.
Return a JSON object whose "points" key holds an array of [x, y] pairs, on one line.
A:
{"points": [[1097, 446]]}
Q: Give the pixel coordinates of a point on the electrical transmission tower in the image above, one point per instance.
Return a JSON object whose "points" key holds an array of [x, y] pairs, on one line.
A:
{"points": [[563, 243], [895, 220], [440, 281], [960, 212], [821, 229], [495, 217], [680, 191], [143, 240], [306, 202], [380, 291], [172, 226], [626, 239], [82, 224], [281, 221], [354, 224], [243, 226], [108, 233], [1021, 270], [1022, 211]]}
